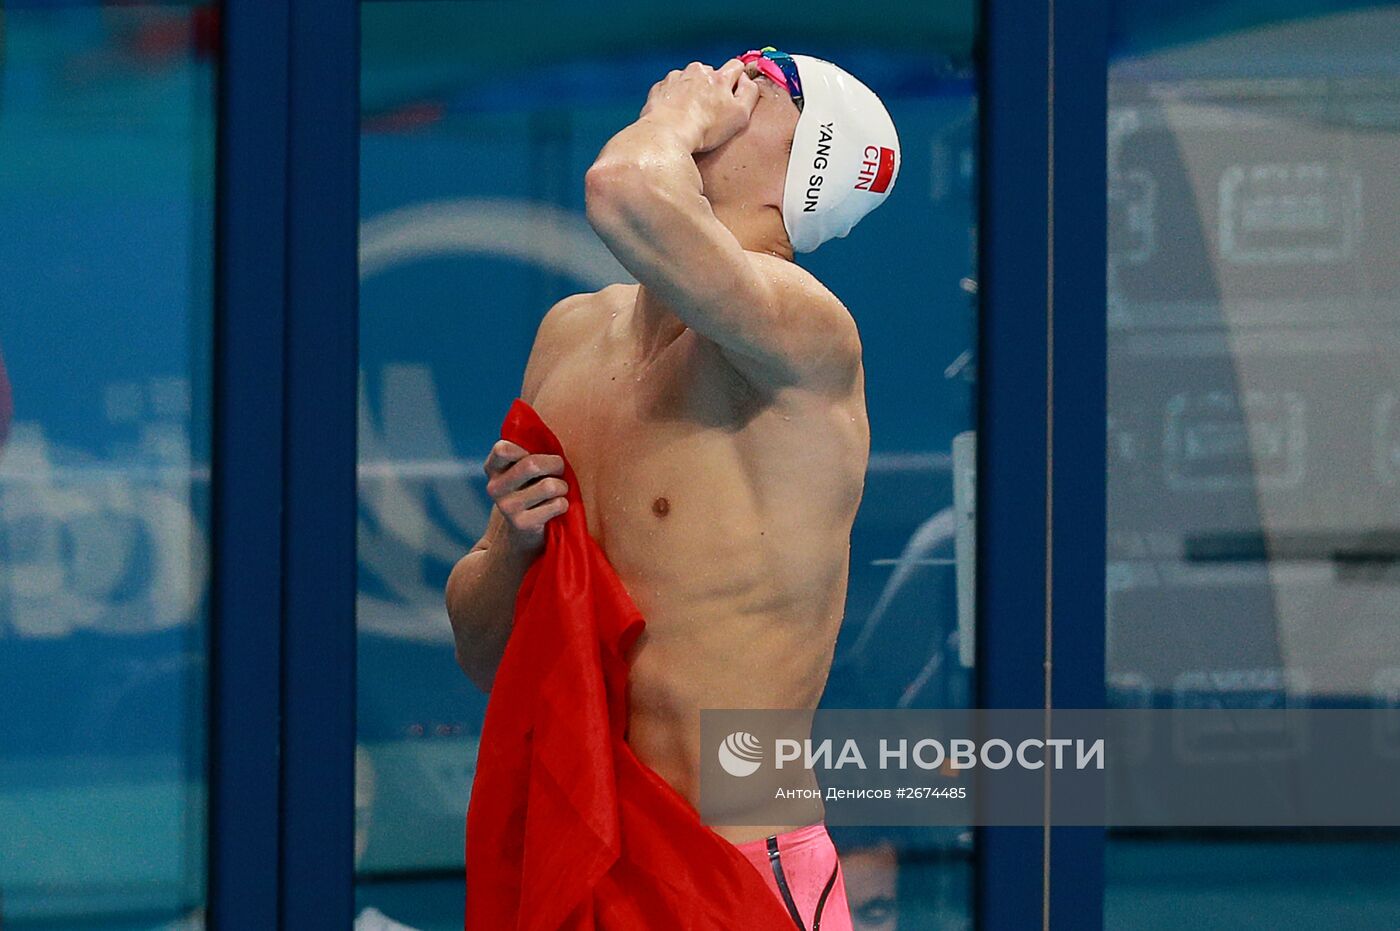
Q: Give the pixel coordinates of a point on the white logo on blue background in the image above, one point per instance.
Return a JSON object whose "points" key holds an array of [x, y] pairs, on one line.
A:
{"points": [[740, 754]]}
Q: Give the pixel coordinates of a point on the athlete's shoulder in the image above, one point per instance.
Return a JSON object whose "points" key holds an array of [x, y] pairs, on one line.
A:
{"points": [[815, 306], [565, 325], [810, 339], [578, 311], [795, 282]]}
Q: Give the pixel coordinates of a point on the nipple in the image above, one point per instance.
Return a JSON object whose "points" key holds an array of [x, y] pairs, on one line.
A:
{"points": [[661, 507]]}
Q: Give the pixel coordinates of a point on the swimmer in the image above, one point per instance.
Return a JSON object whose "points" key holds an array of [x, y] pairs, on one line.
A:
{"points": [[714, 416]]}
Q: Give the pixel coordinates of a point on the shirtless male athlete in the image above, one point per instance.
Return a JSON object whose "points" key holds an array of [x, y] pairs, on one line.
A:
{"points": [[714, 414]]}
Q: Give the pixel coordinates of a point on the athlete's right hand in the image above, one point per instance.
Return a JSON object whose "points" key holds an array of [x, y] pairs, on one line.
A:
{"points": [[713, 104], [527, 490]]}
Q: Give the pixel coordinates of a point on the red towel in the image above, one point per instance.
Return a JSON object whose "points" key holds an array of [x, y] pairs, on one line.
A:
{"points": [[567, 829]]}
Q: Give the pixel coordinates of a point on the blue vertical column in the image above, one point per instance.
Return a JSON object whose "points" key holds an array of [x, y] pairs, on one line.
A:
{"points": [[248, 485], [1041, 433], [283, 631], [318, 637], [1079, 101], [1013, 419]]}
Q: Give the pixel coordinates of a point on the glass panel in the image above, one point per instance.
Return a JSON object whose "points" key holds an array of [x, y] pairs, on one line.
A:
{"points": [[474, 149], [1253, 522], [106, 230]]}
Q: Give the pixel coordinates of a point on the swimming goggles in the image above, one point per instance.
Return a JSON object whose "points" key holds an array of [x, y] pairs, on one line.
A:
{"points": [[779, 67]]}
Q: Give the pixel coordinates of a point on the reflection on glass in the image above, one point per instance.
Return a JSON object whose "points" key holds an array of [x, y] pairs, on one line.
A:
{"points": [[106, 218], [1254, 525], [473, 156]]}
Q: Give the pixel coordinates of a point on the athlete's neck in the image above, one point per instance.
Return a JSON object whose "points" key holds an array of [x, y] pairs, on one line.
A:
{"points": [[758, 228], [654, 326]]}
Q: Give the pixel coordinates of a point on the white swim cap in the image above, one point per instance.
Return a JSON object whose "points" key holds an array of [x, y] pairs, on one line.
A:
{"points": [[845, 155]]}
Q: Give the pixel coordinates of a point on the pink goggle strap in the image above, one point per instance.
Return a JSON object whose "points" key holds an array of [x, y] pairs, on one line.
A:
{"points": [[766, 66]]}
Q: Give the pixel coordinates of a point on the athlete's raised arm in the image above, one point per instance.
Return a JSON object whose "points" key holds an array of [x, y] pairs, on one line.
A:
{"points": [[651, 205]]}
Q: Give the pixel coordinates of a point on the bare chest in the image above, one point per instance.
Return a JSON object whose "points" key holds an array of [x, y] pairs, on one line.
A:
{"points": [[648, 441], [701, 489]]}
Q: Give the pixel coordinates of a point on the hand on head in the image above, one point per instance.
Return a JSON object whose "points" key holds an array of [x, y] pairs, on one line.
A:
{"points": [[714, 103]]}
